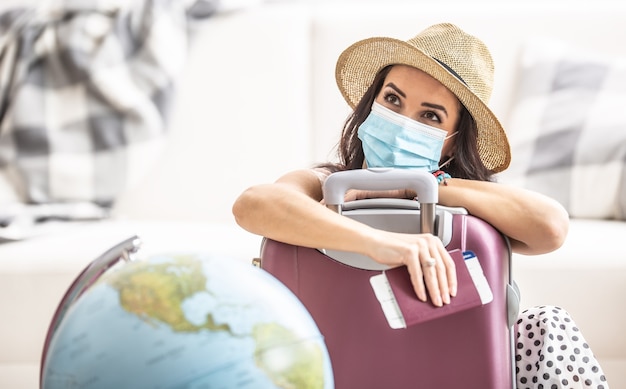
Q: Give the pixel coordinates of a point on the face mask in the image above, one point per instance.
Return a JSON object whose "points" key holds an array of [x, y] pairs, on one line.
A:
{"points": [[393, 140]]}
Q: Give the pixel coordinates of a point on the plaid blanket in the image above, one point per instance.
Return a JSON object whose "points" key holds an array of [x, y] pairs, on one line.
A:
{"points": [[85, 88]]}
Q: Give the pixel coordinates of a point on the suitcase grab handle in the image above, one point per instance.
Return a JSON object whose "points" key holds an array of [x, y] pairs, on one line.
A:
{"points": [[422, 182]]}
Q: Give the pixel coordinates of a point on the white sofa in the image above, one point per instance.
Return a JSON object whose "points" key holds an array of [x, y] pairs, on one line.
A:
{"points": [[258, 98]]}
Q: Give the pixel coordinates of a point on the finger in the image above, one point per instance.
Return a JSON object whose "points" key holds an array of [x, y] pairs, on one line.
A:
{"points": [[436, 247], [432, 285], [431, 279], [351, 195], [417, 278], [354, 194], [442, 278], [409, 194], [450, 268], [446, 273]]}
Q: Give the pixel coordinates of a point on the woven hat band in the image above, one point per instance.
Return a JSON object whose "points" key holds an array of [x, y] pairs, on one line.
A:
{"points": [[448, 68]]}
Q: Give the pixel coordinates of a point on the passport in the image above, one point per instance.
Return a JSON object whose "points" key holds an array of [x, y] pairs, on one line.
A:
{"points": [[401, 306]]}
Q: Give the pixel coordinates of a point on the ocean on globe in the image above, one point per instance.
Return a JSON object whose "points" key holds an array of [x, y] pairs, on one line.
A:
{"points": [[187, 321]]}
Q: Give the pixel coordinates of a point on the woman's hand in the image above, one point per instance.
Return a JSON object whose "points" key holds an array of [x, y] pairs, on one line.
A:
{"points": [[282, 211], [431, 268]]}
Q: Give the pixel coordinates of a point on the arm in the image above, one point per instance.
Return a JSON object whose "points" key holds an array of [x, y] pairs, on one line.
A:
{"points": [[535, 223], [289, 211]]}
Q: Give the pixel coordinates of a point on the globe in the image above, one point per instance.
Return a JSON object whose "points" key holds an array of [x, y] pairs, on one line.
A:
{"points": [[187, 321]]}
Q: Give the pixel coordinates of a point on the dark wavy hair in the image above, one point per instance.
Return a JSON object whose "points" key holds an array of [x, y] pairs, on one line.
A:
{"points": [[466, 163]]}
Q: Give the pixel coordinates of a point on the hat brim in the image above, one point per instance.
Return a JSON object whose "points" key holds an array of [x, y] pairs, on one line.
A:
{"points": [[358, 65]]}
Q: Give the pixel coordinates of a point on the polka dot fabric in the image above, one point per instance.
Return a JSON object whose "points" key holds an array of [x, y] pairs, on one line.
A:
{"points": [[551, 353]]}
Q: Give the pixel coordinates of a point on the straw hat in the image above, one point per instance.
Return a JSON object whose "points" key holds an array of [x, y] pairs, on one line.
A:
{"points": [[458, 60]]}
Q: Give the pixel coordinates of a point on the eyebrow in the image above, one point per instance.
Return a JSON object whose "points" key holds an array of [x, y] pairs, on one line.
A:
{"points": [[424, 104], [394, 87]]}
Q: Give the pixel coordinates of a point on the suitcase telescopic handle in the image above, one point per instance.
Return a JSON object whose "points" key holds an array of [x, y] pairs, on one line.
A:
{"points": [[422, 182]]}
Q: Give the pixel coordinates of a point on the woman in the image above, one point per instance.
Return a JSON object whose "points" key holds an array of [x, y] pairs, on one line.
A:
{"points": [[423, 104]]}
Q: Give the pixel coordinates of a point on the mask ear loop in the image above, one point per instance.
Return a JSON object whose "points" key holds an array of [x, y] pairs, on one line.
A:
{"points": [[450, 136], [452, 157], [446, 163], [440, 175]]}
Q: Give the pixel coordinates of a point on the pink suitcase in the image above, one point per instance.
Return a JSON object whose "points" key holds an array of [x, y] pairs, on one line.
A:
{"points": [[467, 349]]}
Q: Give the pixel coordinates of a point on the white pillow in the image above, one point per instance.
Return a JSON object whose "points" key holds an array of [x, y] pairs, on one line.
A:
{"points": [[567, 129]]}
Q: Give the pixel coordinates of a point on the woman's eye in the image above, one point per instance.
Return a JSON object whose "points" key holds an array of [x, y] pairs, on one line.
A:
{"points": [[432, 116], [392, 98]]}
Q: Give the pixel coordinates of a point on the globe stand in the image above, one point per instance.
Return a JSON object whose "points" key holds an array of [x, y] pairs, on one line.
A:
{"points": [[124, 251]]}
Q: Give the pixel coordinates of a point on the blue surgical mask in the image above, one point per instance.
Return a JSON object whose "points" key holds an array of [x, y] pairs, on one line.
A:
{"points": [[392, 140]]}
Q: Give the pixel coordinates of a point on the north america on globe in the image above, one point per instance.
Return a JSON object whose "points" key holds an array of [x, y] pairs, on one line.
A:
{"points": [[186, 321]]}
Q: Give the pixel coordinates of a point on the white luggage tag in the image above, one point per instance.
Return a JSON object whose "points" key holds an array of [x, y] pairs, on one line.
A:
{"points": [[387, 301], [478, 276]]}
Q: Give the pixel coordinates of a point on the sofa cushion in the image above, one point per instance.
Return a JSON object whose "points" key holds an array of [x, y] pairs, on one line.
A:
{"points": [[568, 129]]}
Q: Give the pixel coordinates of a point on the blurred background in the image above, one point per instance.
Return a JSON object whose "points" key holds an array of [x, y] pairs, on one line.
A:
{"points": [[125, 117]]}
